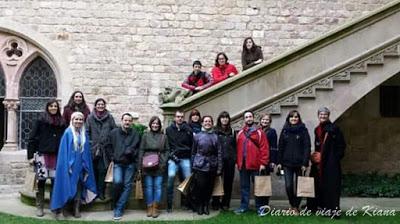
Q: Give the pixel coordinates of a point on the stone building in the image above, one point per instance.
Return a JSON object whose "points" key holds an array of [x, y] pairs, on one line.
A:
{"points": [[128, 50]]}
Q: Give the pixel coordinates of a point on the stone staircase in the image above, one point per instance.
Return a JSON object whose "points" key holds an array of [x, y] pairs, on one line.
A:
{"points": [[376, 58], [334, 70]]}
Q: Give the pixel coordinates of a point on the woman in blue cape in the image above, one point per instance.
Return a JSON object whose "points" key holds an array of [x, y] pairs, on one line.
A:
{"points": [[74, 180]]}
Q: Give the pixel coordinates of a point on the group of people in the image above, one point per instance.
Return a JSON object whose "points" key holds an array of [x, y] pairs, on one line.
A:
{"points": [[74, 151], [199, 80]]}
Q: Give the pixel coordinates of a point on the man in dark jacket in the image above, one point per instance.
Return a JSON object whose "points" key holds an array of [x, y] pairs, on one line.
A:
{"points": [[326, 168], [252, 158], [197, 80], [122, 146], [180, 138]]}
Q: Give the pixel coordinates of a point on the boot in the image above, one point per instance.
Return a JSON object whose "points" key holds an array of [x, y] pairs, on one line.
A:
{"points": [[200, 210], [40, 202], [206, 210], [76, 209], [156, 212], [149, 210], [169, 207]]}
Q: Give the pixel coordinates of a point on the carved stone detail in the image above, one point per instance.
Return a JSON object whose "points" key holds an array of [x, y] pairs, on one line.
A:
{"points": [[308, 92], [375, 59], [342, 76], [358, 67], [289, 101], [11, 104], [326, 83], [13, 50], [392, 50]]}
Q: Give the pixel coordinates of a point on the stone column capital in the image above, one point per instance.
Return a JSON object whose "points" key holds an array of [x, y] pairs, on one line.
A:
{"points": [[11, 104]]}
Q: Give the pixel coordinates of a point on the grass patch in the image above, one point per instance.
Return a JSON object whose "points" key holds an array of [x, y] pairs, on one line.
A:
{"points": [[371, 185], [225, 218]]}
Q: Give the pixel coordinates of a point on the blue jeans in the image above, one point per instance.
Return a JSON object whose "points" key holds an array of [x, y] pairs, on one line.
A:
{"points": [[184, 166], [122, 181], [245, 177], [153, 189]]}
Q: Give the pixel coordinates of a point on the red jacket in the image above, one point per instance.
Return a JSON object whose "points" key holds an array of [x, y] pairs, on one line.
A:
{"points": [[256, 148], [222, 72]]}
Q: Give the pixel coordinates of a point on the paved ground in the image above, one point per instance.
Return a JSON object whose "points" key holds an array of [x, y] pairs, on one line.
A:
{"points": [[12, 205]]}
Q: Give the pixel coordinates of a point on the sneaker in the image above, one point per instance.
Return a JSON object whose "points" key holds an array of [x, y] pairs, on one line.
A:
{"points": [[117, 217], [240, 211]]}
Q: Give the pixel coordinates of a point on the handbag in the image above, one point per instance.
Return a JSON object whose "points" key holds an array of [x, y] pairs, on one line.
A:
{"points": [[138, 186], [109, 174], [218, 187], [316, 156], [262, 186], [184, 186], [305, 187], [151, 160]]}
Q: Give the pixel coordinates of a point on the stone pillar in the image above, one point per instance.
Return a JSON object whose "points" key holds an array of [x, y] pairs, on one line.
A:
{"points": [[11, 105]]}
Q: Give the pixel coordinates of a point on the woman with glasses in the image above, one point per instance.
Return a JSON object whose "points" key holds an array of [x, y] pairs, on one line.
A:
{"points": [[222, 69], [293, 155]]}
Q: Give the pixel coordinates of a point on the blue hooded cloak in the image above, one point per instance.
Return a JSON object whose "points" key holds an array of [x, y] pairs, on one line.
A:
{"points": [[72, 166]]}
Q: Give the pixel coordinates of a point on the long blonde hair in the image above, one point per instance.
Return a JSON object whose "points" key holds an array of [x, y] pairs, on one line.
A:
{"points": [[75, 134]]}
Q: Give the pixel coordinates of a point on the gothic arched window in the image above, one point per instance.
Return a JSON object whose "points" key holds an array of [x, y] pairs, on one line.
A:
{"points": [[37, 85]]}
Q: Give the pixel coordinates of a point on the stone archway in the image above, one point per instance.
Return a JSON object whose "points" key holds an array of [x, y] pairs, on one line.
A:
{"points": [[19, 48]]}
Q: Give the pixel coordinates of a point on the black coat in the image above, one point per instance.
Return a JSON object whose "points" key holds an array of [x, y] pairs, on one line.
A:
{"points": [[123, 147], [294, 146], [45, 138], [180, 140], [227, 139], [328, 175]]}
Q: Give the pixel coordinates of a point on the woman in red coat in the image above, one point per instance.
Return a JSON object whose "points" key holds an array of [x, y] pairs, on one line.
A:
{"points": [[222, 69]]}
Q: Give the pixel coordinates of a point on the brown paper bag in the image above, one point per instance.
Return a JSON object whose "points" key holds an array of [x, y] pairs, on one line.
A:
{"points": [[30, 181], [305, 187], [184, 186], [262, 186], [218, 187], [138, 187], [109, 174]]}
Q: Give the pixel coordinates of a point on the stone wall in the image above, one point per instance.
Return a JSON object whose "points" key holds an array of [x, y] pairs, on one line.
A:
{"points": [[126, 50], [374, 142], [13, 167]]}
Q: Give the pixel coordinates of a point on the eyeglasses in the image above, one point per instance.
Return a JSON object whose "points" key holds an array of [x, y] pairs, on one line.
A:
{"points": [[221, 58], [179, 116]]}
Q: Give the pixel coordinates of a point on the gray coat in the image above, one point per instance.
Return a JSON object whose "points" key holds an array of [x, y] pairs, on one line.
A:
{"points": [[154, 142], [98, 130]]}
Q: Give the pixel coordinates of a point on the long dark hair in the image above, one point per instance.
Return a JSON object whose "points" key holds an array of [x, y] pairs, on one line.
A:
{"points": [[221, 115], [252, 49], [72, 104], [291, 114], [155, 118], [216, 59], [56, 119]]}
